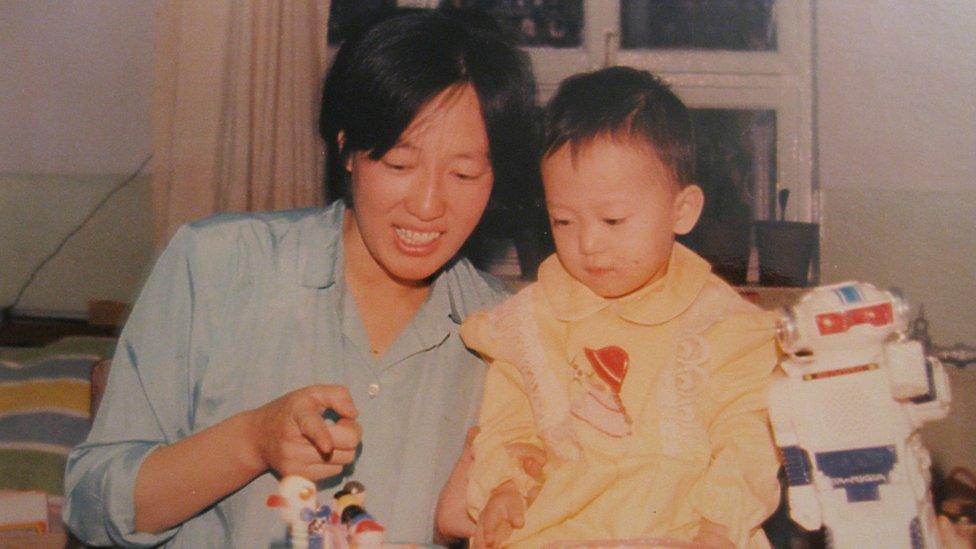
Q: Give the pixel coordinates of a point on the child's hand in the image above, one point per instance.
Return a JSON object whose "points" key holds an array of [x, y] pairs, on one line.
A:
{"points": [[452, 520], [532, 459], [713, 535], [504, 512], [290, 436]]}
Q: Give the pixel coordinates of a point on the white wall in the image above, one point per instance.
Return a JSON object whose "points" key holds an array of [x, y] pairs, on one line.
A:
{"points": [[75, 89], [107, 259], [75, 85], [897, 151], [897, 107], [897, 160]]}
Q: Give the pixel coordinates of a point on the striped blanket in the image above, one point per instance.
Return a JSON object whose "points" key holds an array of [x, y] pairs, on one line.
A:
{"points": [[45, 395]]}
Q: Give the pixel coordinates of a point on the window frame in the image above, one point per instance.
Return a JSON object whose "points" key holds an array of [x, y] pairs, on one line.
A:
{"points": [[780, 80]]}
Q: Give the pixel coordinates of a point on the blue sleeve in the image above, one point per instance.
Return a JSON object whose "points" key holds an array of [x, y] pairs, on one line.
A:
{"points": [[147, 404]]}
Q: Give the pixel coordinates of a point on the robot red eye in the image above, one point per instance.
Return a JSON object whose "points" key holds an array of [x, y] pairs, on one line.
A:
{"points": [[878, 315], [831, 323], [836, 323]]}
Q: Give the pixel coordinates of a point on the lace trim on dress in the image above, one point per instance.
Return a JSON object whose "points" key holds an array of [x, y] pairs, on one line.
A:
{"points": [[513, 324], [684, 378]]}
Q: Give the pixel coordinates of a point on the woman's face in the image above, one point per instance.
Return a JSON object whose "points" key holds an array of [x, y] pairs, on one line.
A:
{"points": [[414, 207]]}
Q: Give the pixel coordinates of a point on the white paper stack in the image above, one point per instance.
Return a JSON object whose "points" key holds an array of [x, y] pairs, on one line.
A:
{"points": [[23, 512]]}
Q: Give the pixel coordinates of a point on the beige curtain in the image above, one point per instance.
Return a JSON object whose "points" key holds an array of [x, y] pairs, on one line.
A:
{"points": [[235, 106]]}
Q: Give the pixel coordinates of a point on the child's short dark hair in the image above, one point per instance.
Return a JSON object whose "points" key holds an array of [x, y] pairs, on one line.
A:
{"points": [[387, 70], [622, 102]]}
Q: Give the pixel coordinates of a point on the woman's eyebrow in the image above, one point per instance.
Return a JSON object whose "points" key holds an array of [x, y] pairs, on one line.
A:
{"points": [[404, 145], [471, 155]]}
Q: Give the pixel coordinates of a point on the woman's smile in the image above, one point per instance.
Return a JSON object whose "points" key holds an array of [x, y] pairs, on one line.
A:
{"points": [[414, 242]]}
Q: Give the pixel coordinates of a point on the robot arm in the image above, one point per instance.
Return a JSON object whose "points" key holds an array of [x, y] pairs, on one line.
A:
{"points": [[805, 507], [934, 404], [802, 496], [918, 381]]}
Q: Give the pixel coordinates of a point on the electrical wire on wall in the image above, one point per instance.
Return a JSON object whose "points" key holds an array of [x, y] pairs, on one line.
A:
{"points": [[8, 311]]}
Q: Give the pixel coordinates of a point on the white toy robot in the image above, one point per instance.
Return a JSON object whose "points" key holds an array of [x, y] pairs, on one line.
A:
{"points": [[846, 418]]}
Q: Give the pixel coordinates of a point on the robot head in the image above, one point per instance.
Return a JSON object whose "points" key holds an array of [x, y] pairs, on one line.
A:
{"points": [[845, 315]]}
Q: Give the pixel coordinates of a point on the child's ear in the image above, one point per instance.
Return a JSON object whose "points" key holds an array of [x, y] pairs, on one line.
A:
{"points": [[688, 206]]}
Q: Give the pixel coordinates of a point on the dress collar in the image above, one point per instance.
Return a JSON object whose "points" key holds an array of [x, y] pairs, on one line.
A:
{"points": [[656, 303]]}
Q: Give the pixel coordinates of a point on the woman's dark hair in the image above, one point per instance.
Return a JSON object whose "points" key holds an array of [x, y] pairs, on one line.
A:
{"points": [[386, 71], [622, 102]]}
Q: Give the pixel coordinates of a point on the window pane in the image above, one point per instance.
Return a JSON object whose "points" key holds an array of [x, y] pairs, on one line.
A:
{"points": [[736, 168], [539, 23], [738, 25]]}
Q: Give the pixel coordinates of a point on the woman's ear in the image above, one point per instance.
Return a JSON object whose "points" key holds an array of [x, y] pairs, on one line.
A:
{"points": [[688, 206], [346, 158]]}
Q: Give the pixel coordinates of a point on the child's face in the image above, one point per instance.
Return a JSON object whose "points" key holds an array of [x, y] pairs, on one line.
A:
{"points": [[614, 211]]}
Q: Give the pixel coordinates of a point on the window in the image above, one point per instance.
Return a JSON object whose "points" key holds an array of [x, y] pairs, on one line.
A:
{"points": [[760, 62], [743, 66], [716, 25]]}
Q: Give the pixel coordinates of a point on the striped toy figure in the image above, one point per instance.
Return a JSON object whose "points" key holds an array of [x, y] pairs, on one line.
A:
{"points": [[846, 417]]}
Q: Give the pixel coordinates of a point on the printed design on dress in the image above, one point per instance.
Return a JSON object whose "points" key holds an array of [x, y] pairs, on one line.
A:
{"points": [[599, 401]]}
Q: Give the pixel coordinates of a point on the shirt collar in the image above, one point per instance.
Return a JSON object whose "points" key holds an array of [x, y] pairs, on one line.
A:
{"points": [[659, 302], [322, 258], [437, 315], [430, 326]]}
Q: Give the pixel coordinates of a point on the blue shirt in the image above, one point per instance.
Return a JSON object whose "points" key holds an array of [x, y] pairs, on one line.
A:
{"points": [[241, 309]]}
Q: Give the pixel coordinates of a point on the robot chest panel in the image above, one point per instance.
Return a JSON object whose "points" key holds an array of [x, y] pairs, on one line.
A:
{"points": [[845, 412]]}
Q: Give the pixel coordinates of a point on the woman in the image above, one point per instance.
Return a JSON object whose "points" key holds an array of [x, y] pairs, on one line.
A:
{"points": [[252, 326]]}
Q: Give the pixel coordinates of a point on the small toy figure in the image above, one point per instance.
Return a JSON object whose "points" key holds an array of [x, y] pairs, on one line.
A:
{"points": [[846, 418], [343, 525], [298, 501], [362, 529]]}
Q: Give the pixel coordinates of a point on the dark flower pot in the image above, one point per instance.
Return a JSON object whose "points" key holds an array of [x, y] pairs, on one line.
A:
{"points": [[786, 250], [725, 244]]}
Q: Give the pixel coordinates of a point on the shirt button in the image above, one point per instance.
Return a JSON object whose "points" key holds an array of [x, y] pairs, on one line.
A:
{"points": [[373, 390]]}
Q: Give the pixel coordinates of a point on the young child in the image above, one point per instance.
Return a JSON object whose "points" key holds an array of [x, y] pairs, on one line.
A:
{"points": [[640, 374]]}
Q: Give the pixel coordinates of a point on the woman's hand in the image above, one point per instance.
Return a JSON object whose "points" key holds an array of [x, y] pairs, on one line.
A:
{"points": [[287, 435], [290, 436]]}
